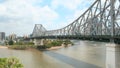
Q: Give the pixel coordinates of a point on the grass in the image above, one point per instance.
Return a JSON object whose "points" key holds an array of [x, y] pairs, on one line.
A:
{"points": [[21, 47], [49, 43]]}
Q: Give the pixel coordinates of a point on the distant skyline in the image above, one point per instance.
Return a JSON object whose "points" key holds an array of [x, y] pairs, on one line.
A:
{"points": [[20, 16]]}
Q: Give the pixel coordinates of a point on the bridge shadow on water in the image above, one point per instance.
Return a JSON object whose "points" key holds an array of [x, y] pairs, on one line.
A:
{"points": [[71, 61]]}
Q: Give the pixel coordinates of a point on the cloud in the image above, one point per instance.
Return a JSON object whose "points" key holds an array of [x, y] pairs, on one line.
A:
{"points": [[70, 4], [44, 14], [21, 15], [76, 6], [68, 19], [76, 12]]}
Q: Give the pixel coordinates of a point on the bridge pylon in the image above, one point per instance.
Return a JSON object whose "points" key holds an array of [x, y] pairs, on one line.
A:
{"points": [[112, 49], [38, 42]]}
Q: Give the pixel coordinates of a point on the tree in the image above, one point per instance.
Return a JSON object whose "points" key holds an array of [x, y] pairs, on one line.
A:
{"points": [[11, 42], [10, 63]]}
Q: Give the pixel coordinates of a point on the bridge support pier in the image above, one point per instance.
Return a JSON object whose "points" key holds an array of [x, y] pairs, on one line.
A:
{"points": [[112, 55], [38, 42]]}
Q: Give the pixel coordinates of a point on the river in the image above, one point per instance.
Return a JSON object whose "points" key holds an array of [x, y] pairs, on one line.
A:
{"points": [[83, 54]]}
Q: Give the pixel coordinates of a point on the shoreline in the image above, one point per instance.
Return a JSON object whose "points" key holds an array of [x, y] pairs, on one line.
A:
{"points": [[58, 47], [55, 48], [51, 48], [3, 46]]}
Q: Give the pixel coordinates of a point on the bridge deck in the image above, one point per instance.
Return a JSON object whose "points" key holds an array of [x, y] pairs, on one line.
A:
{"points": [[95, 38]]}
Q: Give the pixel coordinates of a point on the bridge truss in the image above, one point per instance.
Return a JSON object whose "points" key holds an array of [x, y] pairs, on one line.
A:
{"points": [[102, 18]]}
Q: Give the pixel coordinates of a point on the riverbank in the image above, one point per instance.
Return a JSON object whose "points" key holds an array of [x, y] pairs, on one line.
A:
{"points": [[58, 47], [55, 48], [21, 47], [3, 46]]}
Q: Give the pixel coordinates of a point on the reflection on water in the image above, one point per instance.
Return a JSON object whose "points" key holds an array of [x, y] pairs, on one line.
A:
{"points": [[71, 61], [85, 54]]}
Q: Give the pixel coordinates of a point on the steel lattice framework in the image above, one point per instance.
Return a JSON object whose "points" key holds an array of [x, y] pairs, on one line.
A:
{"points": [[101, 18], [39, 30]]}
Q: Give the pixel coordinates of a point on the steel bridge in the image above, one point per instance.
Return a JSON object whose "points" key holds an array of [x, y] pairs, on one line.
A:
{"points": [[101, 21]]}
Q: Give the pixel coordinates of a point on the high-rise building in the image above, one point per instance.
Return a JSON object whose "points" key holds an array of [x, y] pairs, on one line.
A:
{"points": [[12, 37], [2, 36]]}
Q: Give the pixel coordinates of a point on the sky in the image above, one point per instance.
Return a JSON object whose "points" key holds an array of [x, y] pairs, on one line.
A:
{"points": [[20, 16]]}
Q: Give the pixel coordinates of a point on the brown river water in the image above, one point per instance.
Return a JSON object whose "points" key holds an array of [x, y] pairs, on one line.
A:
{"points": [[83, 54]]}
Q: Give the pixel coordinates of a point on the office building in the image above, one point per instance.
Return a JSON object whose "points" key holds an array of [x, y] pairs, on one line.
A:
{"points": [[2, 36]]}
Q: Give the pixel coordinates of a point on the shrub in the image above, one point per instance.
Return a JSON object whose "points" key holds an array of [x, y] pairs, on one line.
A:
{"points": [[18, 43], [10, 63], [30, 43], [18, 47], [11, 42], [49, 43], [66, 42]]}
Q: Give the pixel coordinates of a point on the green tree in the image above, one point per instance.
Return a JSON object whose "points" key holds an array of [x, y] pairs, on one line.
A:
{"points": [[11, 42], [10, 63]]}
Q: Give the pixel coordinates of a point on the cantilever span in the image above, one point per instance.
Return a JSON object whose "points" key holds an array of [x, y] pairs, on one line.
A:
{"points": [[100, 20], [39, 30]]}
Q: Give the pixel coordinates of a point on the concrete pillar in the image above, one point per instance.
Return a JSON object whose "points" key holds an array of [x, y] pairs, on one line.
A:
{"points": [[112, 55], [38, 42], [31, 40]]}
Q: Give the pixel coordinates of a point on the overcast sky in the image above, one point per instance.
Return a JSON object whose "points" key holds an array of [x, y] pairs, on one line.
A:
{"points": [[20, 16]]}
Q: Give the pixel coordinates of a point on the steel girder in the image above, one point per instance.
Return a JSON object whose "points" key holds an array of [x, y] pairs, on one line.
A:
{"points": [[101, 18], [38, 30]]}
